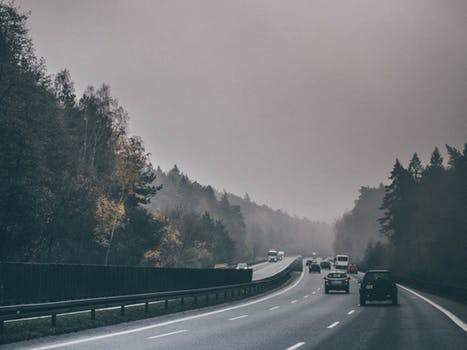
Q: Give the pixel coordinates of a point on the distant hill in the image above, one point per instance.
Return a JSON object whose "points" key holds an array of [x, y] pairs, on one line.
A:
{"points": [[255, 228]]}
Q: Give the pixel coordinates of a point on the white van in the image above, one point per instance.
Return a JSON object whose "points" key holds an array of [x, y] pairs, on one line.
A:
{"points": [[341, 262], [272, 256]]}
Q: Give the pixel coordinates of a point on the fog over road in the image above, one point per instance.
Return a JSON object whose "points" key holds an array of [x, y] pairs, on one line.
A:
{"points": [[297, 316]]}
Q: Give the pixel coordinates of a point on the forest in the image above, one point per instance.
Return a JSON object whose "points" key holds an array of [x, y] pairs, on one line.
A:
{"points": [[76, 187], [255, 228], [421, 219]]}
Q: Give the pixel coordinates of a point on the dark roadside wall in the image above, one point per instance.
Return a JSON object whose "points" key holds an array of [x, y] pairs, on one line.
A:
{"points": [[29, 282]]}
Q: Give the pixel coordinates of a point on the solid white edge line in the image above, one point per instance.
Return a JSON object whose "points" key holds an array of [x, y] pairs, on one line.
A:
{"points": [[448, 313], [350, 312], [333, 325], [237, 318], [167, 334], [306, 296], [296, 346], [274, 308], [157, 325], [293, 301]]}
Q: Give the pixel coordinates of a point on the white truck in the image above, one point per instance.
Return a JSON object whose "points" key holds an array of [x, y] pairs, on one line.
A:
{"points": [[341, 262], [273, 256]]}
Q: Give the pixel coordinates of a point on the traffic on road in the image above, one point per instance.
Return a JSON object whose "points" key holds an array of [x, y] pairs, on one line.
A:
{"points": [[312, 312]]}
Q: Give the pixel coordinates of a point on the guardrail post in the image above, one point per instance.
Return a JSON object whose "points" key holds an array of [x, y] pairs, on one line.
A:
{"points": [[207, 298], [122, 310], [182, 301], [54, 320], [166, 304], [217, 296], [225, 294], [146, 307], [93, 314], [196, 300], [1, 326]]}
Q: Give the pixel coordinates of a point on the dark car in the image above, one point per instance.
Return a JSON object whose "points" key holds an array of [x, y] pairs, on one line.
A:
{"points": [[352, 269], [336, 281], [309, 262], [325, 265], [378, 285], [314, 268]]}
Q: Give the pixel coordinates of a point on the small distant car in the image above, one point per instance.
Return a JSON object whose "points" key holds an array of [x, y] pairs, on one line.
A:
{"points": [[309, 262], [352, 269], [378, 285], [221, 266], [336, 280], [314, 268], [325, 265], [242, 266]]}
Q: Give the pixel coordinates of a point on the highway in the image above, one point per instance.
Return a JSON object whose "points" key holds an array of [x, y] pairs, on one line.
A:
{"points": [[297, 316]]}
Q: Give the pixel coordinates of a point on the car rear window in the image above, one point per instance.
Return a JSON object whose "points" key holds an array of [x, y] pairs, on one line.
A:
{"points": [[374, 276], [337, 275], [342, 258]]}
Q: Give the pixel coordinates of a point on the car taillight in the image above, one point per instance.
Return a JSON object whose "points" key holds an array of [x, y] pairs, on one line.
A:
{"points": [[326, 280], [347, 280]]}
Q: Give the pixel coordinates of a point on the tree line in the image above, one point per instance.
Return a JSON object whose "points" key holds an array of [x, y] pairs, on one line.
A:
{"points": [[72, 180], [254, 228], [422, 220]]}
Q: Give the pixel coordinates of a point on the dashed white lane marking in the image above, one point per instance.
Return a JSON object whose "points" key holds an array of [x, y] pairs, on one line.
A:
{"points": [[313, 293], [449, 314], [296, 346], [167, 334], [306, 296], [162, 324], [319, 289], [350, 312], [237, 318], [333, 325], [293, 301], [274, 308]]}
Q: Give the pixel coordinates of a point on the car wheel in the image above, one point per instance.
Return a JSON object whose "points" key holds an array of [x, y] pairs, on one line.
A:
{"points": [[394, 300], [326, 291], [347, 290], [362, 301]]}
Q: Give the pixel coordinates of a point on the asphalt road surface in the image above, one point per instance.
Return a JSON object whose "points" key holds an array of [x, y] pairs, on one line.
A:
{"points": [[267, 269], [298, 316]]}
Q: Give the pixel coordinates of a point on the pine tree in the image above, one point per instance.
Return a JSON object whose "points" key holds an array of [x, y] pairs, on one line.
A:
{"points": [[415, 167], [395, 219]]}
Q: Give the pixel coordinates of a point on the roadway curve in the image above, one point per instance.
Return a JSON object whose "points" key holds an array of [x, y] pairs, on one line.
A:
{"points": [[299, 316], [268, 269]]}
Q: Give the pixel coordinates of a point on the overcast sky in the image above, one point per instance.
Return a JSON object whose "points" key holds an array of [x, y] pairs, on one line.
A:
{"points": [[298, 103]]}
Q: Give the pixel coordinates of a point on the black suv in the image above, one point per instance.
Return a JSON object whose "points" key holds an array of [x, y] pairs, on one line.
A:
{"points": [[378, 285]]}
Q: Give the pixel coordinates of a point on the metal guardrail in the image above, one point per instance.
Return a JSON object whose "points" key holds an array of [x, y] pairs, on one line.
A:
{"points": [[11, 312]]}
